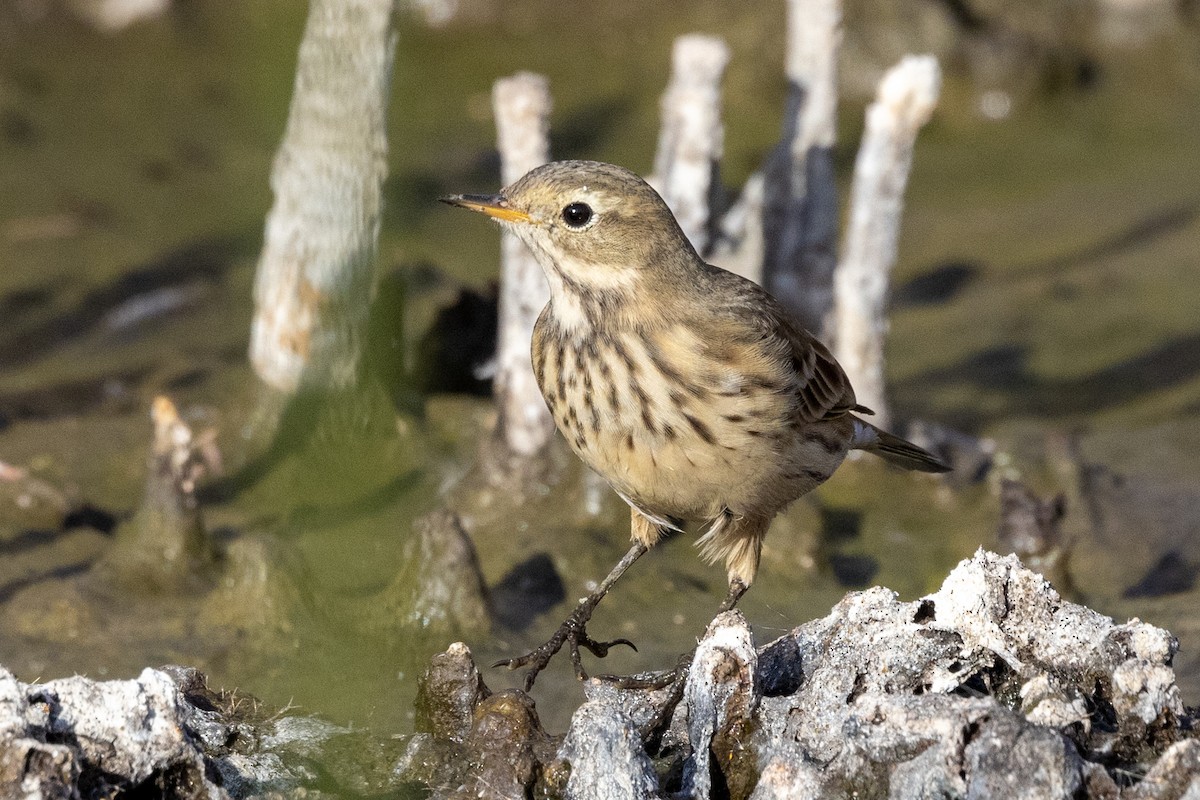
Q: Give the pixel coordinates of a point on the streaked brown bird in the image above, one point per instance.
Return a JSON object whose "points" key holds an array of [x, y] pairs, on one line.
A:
{"points": [[687, 387]]}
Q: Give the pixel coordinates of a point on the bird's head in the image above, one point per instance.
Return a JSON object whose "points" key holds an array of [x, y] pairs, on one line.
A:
{"points": [[591, 226]]}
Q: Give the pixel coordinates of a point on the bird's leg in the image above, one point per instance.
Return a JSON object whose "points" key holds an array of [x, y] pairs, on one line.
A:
{"points": [[737, 588], [573, 631]]}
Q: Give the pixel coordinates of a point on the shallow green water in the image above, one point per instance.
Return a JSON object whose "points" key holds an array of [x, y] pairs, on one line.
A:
{"points": [[139, 162]]}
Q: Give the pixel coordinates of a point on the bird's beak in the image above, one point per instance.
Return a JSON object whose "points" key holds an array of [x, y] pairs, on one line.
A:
{"points": [[493, 205]]}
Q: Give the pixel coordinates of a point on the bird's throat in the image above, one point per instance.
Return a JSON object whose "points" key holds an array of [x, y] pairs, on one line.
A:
{"points": [[590, 298]]}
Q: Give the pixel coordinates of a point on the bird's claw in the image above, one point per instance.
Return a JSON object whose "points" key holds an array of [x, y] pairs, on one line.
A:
{"points": [[600, 649], [651, 680], [571, 633], [514, 663]]}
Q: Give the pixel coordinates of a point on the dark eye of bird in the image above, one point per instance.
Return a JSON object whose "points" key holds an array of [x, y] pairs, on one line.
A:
{"points": [[577, 214]]}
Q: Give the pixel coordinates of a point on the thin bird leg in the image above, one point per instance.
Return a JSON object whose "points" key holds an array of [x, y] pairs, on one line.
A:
{"points": [[736, 589], [573, 631]]}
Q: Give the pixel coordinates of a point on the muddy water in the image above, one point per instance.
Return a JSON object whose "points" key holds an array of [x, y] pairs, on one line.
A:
{"points": [[1046, 288]]}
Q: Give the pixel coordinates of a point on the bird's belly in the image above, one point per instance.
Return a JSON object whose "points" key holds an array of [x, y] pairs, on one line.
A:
{"points": [[679, 443], [689, 479], [667, 480], [691, 463]]}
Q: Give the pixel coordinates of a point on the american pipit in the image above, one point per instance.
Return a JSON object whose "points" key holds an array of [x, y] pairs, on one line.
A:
{"points": [[687, 387]]}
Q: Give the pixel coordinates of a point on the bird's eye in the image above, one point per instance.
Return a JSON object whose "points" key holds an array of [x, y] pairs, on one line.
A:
{"points": [[576, 215]]}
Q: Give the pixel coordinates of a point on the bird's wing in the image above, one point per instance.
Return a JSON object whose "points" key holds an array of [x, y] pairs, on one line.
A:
{"points": [[795, 360], [822, 389]]}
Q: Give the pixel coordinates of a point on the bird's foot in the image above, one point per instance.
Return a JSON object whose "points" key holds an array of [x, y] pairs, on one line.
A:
{"points": [[667, 687], [653, 680], [572, 633]]}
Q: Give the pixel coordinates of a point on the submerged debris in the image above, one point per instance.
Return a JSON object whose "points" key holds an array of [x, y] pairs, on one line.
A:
{"points": [[165, 577], [165, 545], [440, 587]]}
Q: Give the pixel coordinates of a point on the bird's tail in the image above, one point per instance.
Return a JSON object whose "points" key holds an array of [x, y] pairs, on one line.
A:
{"points": [[895, 450]]}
